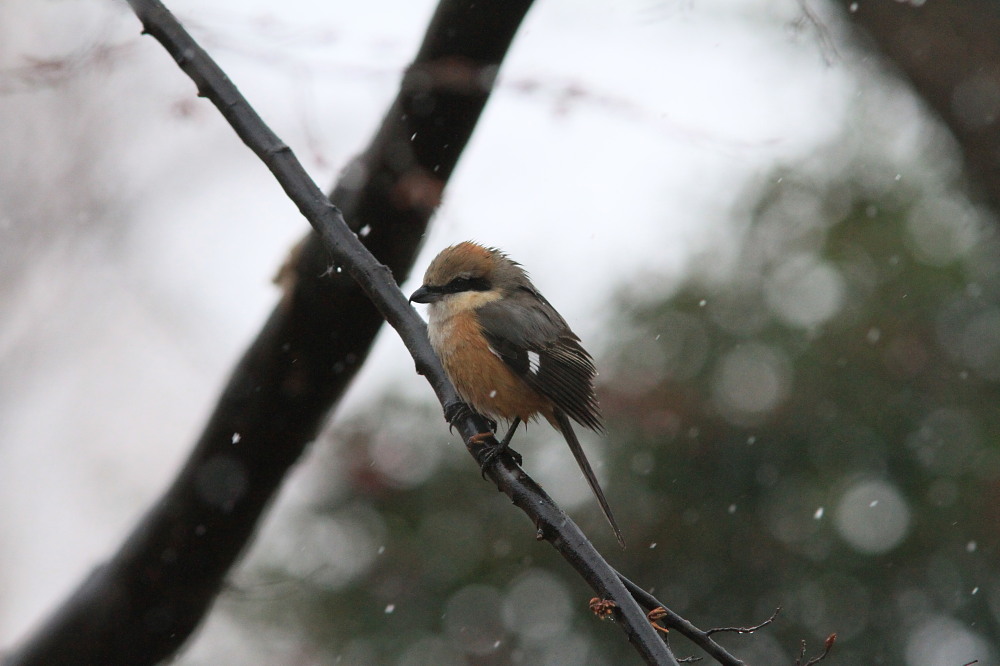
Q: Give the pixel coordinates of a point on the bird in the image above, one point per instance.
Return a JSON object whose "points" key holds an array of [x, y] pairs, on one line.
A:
{"points": [[510, 355]]}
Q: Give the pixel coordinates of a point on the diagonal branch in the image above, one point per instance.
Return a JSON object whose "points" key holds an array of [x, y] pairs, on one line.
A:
{"points": [[377, 282]]}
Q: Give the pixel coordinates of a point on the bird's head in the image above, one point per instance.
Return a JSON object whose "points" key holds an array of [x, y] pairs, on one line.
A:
{"points": [[468, 275]]}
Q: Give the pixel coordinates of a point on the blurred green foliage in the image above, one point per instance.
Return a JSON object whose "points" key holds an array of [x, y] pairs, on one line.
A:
{"points": [[812, 424]]}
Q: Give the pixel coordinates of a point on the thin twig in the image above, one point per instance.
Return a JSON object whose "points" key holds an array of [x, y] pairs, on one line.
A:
{"points": [[745, 630], [672, 620]]}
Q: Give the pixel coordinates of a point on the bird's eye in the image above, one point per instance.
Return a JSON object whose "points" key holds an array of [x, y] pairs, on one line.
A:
{"points": [[461, 284]]}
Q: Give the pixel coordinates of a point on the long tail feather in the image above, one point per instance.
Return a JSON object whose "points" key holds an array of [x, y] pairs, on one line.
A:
{"points": [[581, 458]]}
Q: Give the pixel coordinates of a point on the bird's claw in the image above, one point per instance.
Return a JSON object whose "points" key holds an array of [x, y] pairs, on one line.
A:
{"points": [[457, 411], [493, 452], [454, 412]]}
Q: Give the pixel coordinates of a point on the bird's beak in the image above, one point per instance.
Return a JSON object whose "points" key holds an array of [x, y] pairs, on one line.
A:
{"points": [[424, 295]]}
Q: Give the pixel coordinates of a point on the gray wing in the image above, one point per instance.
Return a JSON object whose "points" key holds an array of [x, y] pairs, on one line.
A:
{"points": [[536, 343]]}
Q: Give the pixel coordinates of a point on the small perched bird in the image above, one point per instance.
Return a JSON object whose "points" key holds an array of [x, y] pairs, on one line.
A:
{"points": [[510, 355]]}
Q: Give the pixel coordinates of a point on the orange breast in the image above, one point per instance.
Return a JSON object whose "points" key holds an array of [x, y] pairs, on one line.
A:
{"points": [[482, 379]]}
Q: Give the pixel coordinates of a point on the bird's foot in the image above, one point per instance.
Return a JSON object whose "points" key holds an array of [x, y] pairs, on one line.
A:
{"points": [[456, 411], [494, 451]]}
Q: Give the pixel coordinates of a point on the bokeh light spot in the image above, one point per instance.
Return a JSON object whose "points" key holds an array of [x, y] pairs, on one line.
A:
{"points": [[946, 441], [537, 606], [942, 641], [805, 291], [751, 380], [406, 460], [872, 516], [472, 619], [940, 231]]}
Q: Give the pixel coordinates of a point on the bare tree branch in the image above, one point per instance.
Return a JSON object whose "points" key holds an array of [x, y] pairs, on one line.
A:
{"points": [[377, 282]]}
